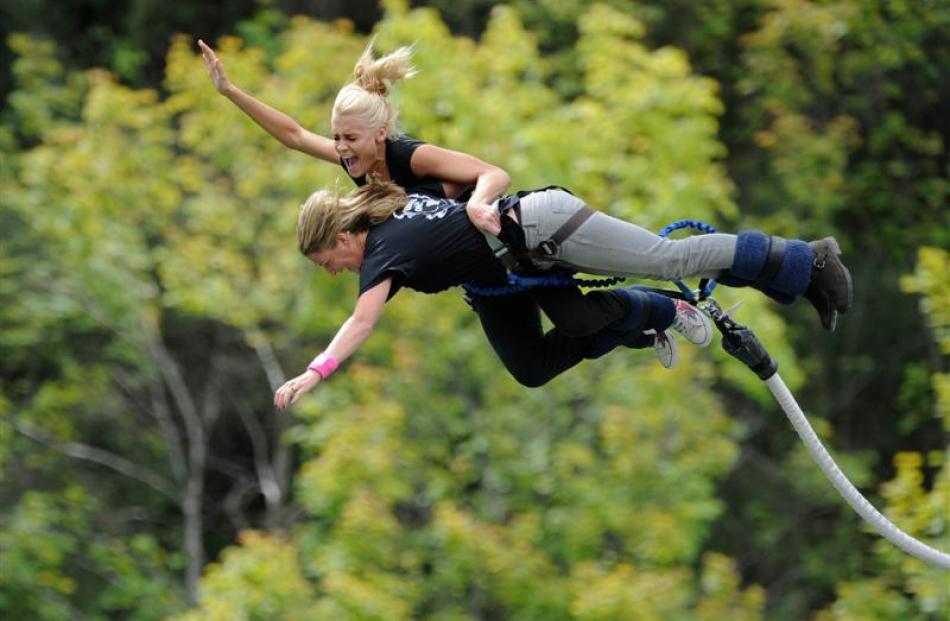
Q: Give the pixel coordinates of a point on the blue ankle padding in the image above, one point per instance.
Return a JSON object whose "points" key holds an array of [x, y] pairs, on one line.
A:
{"points": [[751, 252], [792, 279], [637, 301], [629, 330], [660, 317], [662, 312]]}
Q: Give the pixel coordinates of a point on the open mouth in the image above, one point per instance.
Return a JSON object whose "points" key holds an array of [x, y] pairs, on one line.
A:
{"points": [[350, 162]]}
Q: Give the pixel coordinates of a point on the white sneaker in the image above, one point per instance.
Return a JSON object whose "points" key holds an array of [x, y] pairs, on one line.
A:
{"points": [[692, 323], [665, 348]]}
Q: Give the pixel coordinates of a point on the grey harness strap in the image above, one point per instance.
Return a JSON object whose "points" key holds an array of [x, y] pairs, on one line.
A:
{"points": [[509, 245], [550, 246]]}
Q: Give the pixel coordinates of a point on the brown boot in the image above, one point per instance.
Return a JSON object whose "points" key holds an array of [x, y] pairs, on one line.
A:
{"points": [[830, 291]]}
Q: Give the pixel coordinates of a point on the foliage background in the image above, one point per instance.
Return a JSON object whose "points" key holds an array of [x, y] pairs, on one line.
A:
{"points": [[152, 299]]}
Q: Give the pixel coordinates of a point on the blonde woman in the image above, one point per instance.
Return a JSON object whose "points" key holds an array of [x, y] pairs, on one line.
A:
{"points": [[393, 241], [366, 139]]}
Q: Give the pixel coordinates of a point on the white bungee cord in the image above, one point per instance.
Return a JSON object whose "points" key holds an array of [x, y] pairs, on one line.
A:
{"points": [[848, 491], [741, 343]]}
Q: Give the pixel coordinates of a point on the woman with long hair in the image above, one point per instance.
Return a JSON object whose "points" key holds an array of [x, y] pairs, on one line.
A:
{"points": [[394, 240]]}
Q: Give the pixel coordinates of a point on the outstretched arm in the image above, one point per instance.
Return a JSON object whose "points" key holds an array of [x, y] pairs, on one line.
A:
{"points": [[351, 335], [464, 169], [276, 123]]}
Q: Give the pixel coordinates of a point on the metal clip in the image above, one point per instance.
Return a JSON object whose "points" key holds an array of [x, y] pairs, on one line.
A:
{"points": [[741, 343], [548, 247]]}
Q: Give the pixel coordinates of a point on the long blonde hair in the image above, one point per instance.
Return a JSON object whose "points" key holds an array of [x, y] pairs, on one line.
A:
{"points": [[325, 214], [366, 95]]}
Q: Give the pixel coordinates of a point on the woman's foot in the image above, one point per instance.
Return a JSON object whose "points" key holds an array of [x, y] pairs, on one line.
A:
{"points": [[665, 348], [692, 323], [830, 291]]}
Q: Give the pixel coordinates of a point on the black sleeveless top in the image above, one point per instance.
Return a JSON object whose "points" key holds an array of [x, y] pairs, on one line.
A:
{"points": [[398, 157]]}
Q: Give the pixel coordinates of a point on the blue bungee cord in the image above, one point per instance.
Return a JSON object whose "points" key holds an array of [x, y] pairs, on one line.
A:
{"points": [[706, 286], [556, 278]]}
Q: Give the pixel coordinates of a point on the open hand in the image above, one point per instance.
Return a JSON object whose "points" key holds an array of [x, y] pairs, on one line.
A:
{"points": [[485, 217], [293, 389], [215, 67]]}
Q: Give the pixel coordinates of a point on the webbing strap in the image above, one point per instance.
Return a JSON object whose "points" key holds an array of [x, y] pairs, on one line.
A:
{"points": [[550, 246], [501, 252], [508, 247], [523, 193], [773, 261]]}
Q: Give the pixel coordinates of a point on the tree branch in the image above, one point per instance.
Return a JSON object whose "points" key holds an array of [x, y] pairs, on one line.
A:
{"points": [[265, 353], [267, 480], [280, 462], [117, 463], [160, 412]]}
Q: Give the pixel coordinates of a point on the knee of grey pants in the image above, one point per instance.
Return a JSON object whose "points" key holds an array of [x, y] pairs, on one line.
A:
{"points": [[610, 246]]}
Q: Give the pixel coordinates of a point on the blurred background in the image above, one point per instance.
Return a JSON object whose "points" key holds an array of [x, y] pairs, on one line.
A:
{"points": [[152, 298]]}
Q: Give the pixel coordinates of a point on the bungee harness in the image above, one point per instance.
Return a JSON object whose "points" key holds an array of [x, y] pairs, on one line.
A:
{"points": [[738, 340], [509, 245], [510, 248]]}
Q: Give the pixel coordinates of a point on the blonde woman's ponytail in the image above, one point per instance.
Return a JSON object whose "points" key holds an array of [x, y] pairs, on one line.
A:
{"points": [[377, 74], [367, 95]]}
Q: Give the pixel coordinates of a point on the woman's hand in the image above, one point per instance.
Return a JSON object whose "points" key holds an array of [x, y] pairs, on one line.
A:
{"points": [[293, 389], [215, 68], [459, 169], [484, 216], [348, 339]]}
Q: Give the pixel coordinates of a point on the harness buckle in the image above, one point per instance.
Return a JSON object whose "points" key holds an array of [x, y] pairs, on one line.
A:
{"points": [[504, 254], [548, 247]]}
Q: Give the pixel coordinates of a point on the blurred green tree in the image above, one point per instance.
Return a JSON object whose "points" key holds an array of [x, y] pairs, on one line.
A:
{"points": [[155, 298], [435, 486], [921, 513]]}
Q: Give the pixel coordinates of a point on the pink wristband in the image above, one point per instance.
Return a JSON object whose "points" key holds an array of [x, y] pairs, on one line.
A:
{"points": [[323, 365]]}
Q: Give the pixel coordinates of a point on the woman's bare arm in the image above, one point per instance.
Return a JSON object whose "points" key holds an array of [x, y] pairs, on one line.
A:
{"points": [[351, 335], [463, 169], [361, 323], [278, 124]]}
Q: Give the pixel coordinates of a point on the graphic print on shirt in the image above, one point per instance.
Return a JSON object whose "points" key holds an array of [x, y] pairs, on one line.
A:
{"points": [[420, 205]]}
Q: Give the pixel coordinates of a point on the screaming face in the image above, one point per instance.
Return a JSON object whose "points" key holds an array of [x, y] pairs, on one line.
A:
{"points": [[361, 149]]}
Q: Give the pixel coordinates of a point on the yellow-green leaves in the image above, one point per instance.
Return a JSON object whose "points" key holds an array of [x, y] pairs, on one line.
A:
{"points": [[931, 280], [260, 579]]}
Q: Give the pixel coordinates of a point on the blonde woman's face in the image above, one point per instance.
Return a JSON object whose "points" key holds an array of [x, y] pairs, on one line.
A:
{"points": [[347, 254], [361, 149]]}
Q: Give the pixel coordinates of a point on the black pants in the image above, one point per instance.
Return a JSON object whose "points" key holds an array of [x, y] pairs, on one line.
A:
{"points": [[513, 326]]}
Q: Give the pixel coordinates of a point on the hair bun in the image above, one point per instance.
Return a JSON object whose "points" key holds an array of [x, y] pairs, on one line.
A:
{"points": [[373, 83], [376, 74]]}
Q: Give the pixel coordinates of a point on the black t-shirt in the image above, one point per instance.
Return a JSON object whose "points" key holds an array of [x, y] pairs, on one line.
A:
{"points": [[429, 245], [398, 160]]}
